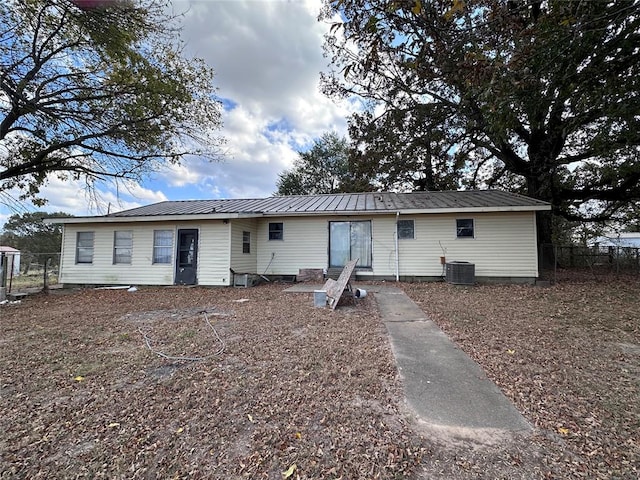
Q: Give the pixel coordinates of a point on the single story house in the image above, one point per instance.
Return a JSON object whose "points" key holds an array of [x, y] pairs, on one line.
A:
{"points": [[623, 239], [394, 236]]}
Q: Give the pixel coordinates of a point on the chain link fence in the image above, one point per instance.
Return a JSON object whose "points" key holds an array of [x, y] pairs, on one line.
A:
{"points": [[558, 260], [31, 272]]}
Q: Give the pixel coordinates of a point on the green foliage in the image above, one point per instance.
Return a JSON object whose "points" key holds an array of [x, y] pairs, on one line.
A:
{"points": [[405, 150], [325, 168], [35, 239], [538, 97], [97, 93]]}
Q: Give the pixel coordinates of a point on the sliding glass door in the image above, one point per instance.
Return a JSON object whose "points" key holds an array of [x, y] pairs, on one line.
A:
{"points": [[348, 241]]}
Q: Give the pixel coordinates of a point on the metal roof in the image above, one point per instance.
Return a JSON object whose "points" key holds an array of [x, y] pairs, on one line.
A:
{"points": [[345, 203]]}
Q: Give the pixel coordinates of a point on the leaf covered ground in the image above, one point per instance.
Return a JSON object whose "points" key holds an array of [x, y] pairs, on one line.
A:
{"points": [[568, 356], [94, 384]]}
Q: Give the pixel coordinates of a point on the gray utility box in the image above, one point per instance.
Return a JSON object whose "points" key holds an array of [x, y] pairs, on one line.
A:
{"points": [[461, 273], [320, 298], [244, 280]]}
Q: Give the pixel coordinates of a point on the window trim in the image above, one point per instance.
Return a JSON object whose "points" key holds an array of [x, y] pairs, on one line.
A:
{"points": [[413, 229], [124, 247], [155, 246], [246, 242], [78, 247], [280, 231], [473, 228]]}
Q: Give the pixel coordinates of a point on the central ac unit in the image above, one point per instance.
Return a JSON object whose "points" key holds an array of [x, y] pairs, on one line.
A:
{"points": [[461, 273]]}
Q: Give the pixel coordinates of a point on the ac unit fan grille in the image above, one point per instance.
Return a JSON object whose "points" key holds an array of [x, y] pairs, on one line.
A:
{"points": [[461, 273]]}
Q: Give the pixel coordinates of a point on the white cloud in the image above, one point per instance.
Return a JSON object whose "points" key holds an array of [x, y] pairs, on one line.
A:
{"points": [[267, 56], [73, 197]]}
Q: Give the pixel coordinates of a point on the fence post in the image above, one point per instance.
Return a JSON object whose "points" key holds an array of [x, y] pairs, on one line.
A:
{"points": [[571, 257], [45, 287], [3, 275]]}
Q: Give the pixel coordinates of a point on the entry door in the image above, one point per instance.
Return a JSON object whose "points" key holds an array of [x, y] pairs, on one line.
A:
{"points": [[350, 241], [187, 257]]}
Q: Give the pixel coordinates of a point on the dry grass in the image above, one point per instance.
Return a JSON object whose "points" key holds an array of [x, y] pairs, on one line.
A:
{"points": [[568, 357], [82, 396], [284, 384]]}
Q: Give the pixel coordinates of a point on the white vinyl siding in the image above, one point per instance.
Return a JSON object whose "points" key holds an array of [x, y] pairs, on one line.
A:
{"points": [[305, 245], [504, 245], [213, 252], [103, 271], [244, 262]]}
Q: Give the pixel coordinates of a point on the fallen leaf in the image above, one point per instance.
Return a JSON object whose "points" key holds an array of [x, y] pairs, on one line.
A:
{"points": [[563, 431], [180, 430], [289, 471], [114, 424], [79, 378]]}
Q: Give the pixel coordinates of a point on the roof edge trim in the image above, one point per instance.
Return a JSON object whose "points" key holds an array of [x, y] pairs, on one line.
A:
{"points": [[147, 218]]}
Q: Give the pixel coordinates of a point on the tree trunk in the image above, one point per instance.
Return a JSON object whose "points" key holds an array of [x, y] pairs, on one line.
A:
{"points": [[539, 187]]}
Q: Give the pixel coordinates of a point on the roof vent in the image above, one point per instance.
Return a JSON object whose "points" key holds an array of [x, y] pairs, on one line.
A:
{"points": [[461, 273]]}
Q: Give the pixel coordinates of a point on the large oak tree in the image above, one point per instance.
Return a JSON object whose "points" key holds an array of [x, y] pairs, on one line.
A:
{"points": [[541, 97], [97, 89]]}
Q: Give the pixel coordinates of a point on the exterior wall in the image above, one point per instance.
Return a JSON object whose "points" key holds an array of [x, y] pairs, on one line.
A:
{"points": [[305, 244], [102, 271], [504, 245], [244, 262], [213, 255]]}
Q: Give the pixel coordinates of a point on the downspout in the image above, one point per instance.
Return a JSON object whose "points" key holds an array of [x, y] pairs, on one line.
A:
{"points": [[397, 253]]}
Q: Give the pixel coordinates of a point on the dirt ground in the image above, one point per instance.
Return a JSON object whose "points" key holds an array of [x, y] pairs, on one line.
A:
{"points": [[257, 383]]}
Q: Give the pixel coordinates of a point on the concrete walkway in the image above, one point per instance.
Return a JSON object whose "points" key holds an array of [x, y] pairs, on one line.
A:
{"points": [[442, 384]]}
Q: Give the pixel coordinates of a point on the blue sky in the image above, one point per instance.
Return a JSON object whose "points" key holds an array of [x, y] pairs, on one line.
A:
{"points": [[267, 55]]}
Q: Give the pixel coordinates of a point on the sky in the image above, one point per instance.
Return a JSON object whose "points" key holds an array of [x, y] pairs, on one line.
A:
{"points": [[267, 56]]}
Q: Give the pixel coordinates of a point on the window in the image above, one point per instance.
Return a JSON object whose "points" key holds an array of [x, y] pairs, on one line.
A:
{"points": [[464, 228], [162, 246], [246, 242], [122, 245], [405, 229], [350, 241], [276, 231], [84, 247]]}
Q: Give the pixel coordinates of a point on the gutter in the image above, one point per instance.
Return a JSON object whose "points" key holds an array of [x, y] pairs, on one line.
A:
{"points": [[146, 218]]}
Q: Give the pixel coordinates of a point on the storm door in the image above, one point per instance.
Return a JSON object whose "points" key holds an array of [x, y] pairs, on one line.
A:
{"points": [[187, 257], [348, 241]]}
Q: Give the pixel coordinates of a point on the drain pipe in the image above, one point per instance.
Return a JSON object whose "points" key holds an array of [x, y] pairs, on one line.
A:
{"points": [[397, 253]]}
